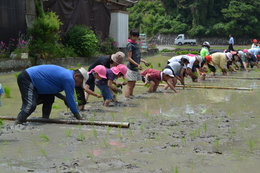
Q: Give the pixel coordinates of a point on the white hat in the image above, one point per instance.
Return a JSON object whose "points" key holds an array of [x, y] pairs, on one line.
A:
{"points": [[206, 43], [168, 72], [229, 55], [200, 59], [85, 75], [186, 57]]}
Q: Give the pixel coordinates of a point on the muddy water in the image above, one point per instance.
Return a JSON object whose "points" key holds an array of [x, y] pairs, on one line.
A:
{"points": [[197, 130]]}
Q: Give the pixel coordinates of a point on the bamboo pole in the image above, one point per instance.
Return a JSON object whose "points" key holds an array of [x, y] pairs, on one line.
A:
{"points": [[205, 87], [77, 122], [234, 77]]}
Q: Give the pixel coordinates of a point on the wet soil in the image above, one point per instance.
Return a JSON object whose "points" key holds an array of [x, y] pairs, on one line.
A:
{"points": [[196, 130]]}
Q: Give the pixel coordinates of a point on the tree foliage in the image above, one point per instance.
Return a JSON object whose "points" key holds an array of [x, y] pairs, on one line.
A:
{"points": [[196, 17]]}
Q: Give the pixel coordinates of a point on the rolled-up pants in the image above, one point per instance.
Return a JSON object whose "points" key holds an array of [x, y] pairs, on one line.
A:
{"points": [[31, 98]]}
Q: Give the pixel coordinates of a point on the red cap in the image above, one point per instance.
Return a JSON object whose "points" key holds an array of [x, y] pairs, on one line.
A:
{"points": [[208, 58], [255, 41]]}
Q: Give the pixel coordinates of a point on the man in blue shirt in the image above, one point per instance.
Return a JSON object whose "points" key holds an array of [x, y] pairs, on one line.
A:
{"points": [[44, 82], [231, 43]]}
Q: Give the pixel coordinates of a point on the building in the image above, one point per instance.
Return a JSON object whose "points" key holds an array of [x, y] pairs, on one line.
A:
{"points": [[105, 17]]}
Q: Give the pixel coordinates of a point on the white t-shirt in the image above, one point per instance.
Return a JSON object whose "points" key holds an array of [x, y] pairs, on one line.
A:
{"points": [[176, 67], [175, 58]]}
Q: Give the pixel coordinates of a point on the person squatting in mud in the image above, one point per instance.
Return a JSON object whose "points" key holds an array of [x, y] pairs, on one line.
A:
{"points": [[179, 69], [154, 77], [196, 64], [40, 83], [109, 62]]}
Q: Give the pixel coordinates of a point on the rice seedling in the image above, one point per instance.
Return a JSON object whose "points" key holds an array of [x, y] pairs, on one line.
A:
{"points": [[81, 136], [216, 144], [91, 155], [119, 135], [193, 134], [142, 128], [108, 129], [95, 133], [205, 127], [10, 165], [78, 65], [157, 137], [130, 132], [184, 141], [7, 92], [44, 152], [105, 142], [120, 126], [189, 117], [68, 132], [236, 155], [159, 64], [175, 169], [147, 114], [45, 137], [198, 132], [1, 124], [251, 144], [113, 115]]}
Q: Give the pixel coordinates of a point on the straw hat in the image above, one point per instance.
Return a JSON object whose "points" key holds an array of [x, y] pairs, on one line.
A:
{"points": [[118, 57]]}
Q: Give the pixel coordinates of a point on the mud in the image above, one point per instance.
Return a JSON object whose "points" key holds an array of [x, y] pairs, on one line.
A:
{"points": [[197, 130]]}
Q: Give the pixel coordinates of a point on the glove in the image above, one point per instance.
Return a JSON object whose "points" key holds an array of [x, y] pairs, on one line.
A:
{"points": [[78, 116]]}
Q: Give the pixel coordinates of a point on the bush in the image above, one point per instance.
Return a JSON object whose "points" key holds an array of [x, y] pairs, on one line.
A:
{"points": [[82, 40], [45, 35], [194, 52], [108, 46]]}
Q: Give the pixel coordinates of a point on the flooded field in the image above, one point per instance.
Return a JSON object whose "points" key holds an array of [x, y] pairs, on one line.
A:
{"points": [[196, 130]]}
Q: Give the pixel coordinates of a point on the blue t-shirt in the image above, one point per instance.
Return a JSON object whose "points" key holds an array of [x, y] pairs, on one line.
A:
{"points": [[136, 55], [52, 79]]}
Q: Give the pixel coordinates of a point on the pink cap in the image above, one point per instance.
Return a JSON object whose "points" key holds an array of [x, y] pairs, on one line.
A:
{"points": [[120, 68], [100, 70], [245, 51]]}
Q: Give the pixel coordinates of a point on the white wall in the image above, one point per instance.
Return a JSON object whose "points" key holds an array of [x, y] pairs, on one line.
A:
{"points": [[119, 27]]}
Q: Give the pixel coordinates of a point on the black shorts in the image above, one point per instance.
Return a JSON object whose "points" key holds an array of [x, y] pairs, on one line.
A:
{"points": [[212, 68]]}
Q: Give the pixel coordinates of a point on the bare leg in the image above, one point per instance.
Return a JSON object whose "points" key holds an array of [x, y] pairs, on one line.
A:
{"points": [[129, 88]]}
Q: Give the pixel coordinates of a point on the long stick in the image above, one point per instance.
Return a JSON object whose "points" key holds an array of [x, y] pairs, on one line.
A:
{"points": [[205, 87], [234, 77], [78, 122]]}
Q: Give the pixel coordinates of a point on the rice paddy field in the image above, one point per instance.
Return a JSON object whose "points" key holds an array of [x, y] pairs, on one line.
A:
{"points": [[198, 130]]}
